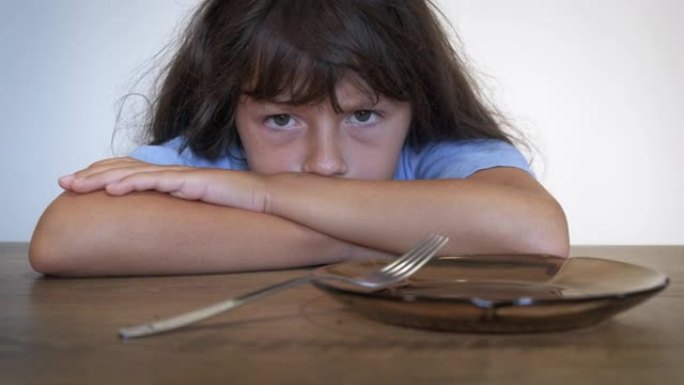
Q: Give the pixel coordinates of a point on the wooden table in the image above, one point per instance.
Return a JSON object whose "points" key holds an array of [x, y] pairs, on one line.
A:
{"points": [[62, 331]]}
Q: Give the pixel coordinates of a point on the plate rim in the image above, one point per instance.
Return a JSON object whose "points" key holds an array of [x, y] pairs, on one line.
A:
{"points": [[489, 304]]}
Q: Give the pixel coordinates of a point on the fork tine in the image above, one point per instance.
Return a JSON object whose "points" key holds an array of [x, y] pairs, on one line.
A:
{"points": [[408, 255], [416, 255], [426, 257], [420, 259], [406, 261]]}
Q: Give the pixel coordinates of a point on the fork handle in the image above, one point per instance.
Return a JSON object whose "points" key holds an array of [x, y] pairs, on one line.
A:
{"points": [[191, 317]]}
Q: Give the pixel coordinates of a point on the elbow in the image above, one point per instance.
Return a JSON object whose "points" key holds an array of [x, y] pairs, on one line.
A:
{"points": [[550, 235], [42, 259], [552, 243], [46, 251], [46, 255], [57, 244]]}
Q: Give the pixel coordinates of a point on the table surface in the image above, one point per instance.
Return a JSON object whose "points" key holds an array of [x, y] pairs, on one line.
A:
{"points": [[63, 331]]}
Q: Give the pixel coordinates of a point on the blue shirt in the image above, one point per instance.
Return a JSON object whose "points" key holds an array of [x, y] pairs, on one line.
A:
{"points": [[441, 160]]}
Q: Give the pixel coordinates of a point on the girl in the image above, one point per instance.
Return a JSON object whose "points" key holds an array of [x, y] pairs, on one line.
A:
{"points": [[292, 133]]}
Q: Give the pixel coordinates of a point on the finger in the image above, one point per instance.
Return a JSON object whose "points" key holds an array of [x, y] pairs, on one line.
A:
{"points": [[105, 165], [65, 182], [120, 159], [164, 181], [98, 180]]}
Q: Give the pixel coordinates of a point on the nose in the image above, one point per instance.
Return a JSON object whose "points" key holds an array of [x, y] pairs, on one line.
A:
{"points": [[324, 156]]}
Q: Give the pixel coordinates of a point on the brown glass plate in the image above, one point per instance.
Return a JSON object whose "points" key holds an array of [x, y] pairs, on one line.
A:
{"points": [[500, 293]]}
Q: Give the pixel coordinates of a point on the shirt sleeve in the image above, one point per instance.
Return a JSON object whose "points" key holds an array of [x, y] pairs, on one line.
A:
{"points": [[168, 154], [165, 154], [460, 159]]}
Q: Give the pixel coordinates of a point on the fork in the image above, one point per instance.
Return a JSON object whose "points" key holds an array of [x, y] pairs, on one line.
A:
{"points": [[392, 273]]}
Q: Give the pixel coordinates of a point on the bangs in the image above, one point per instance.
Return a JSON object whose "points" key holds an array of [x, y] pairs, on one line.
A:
{"points": [[291, 76], [298, 55]]}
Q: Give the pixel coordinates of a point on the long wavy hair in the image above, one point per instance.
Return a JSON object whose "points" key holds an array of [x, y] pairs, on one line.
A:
{"points": [[303, 48]]}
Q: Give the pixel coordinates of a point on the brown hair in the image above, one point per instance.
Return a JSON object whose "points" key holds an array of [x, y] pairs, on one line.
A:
{"points": [[303, 48]]}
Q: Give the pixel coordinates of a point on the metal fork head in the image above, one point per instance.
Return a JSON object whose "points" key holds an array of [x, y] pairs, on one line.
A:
{"points": [[406, 265], [419, 251]]}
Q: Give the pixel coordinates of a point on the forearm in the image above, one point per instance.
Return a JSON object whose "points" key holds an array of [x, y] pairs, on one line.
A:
{"points": [[151, 233], [498, 210], [478, 217]]}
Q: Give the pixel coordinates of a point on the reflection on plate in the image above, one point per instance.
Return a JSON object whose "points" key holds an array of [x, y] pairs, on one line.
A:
{"points": [[500, 293]]}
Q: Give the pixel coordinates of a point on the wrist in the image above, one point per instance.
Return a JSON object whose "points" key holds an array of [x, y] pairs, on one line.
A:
{"points": [[275, 188]]}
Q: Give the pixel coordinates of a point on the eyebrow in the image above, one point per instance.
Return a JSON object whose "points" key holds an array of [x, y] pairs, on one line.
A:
{"points": [[354, 103], [360, 103]]}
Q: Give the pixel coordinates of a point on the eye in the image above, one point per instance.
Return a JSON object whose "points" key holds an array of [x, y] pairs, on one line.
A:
{"points": [[364, 117], [280, 121]]}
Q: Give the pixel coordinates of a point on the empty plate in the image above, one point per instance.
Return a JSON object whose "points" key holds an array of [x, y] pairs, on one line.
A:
{"points": [[500, 293]]}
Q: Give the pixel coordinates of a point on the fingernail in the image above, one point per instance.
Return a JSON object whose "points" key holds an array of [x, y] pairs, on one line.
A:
{"points": [[66, 178]]}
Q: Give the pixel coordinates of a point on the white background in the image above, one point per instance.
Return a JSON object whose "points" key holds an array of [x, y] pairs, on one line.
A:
{"points": [[597, 85]]}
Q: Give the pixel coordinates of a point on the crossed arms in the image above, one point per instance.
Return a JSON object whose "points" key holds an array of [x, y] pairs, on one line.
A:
{"points": [[126, 217]]}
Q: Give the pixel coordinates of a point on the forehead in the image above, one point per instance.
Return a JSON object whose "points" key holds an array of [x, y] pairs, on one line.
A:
{"points": [[348, 93]]}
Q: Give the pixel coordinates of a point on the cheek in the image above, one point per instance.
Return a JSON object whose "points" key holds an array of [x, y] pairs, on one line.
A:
{"points": [[378, 159], [373, 162], [265, 157]]}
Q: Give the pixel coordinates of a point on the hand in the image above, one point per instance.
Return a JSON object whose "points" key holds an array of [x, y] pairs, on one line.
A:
{"points": [[120, 176]]}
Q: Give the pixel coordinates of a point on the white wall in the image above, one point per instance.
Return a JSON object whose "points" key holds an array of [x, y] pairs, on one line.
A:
{"points": [[597, 85]]}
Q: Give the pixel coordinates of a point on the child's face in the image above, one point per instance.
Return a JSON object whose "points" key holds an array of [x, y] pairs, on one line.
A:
{"points": [[362, 142]]}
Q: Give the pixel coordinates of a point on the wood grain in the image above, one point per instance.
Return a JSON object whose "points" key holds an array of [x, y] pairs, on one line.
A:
{"points": [[63, 331]]}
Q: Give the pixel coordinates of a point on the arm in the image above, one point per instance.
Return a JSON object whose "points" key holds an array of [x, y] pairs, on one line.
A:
{"points": [[492, 211], [152, 233], [500, 210]]}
